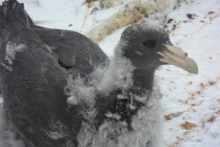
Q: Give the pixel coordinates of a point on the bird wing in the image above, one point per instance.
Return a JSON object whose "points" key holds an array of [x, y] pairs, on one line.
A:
{"points": [[74, 51]]}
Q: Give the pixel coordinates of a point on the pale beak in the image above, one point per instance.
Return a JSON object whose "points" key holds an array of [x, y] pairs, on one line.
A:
{"points": [[177, 57]]}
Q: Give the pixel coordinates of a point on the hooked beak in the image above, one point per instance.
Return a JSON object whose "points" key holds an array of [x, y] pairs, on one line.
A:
{"points": [[177, 57]]}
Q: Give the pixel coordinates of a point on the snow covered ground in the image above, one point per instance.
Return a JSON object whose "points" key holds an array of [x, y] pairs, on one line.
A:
{"points": [[191, 102]]}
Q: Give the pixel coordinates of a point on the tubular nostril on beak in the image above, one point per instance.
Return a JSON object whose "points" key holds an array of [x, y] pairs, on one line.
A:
{"points": [[176, 51]]}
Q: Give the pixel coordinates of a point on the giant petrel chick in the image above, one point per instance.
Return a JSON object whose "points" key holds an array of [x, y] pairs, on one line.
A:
{"points": [[59, 90]]}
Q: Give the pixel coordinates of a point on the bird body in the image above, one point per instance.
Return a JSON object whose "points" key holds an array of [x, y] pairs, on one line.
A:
{"points": [[61, 90]]}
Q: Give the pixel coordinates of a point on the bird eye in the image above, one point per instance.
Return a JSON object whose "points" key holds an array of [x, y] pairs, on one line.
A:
{"points": [[149, 43]]}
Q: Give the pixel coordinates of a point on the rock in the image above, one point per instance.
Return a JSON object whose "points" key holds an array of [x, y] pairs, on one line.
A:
{"points": [[105, 4], [94, 10], [133, 12], [165, 4]]}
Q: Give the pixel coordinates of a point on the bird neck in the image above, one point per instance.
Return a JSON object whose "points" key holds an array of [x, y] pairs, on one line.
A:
{"points": [[143, 78]]}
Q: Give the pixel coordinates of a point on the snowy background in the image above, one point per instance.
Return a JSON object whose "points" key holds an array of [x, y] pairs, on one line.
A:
{"points": [[191, 102]]}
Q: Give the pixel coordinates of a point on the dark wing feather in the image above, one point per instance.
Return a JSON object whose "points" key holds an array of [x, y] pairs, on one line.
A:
{"points": [[73, 50]]}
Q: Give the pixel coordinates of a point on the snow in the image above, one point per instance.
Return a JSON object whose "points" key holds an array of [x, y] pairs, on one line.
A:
{"points": [[186, 97]]}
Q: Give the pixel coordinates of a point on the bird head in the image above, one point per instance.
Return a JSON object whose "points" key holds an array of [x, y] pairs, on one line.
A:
{"points": [[148, 46]]}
